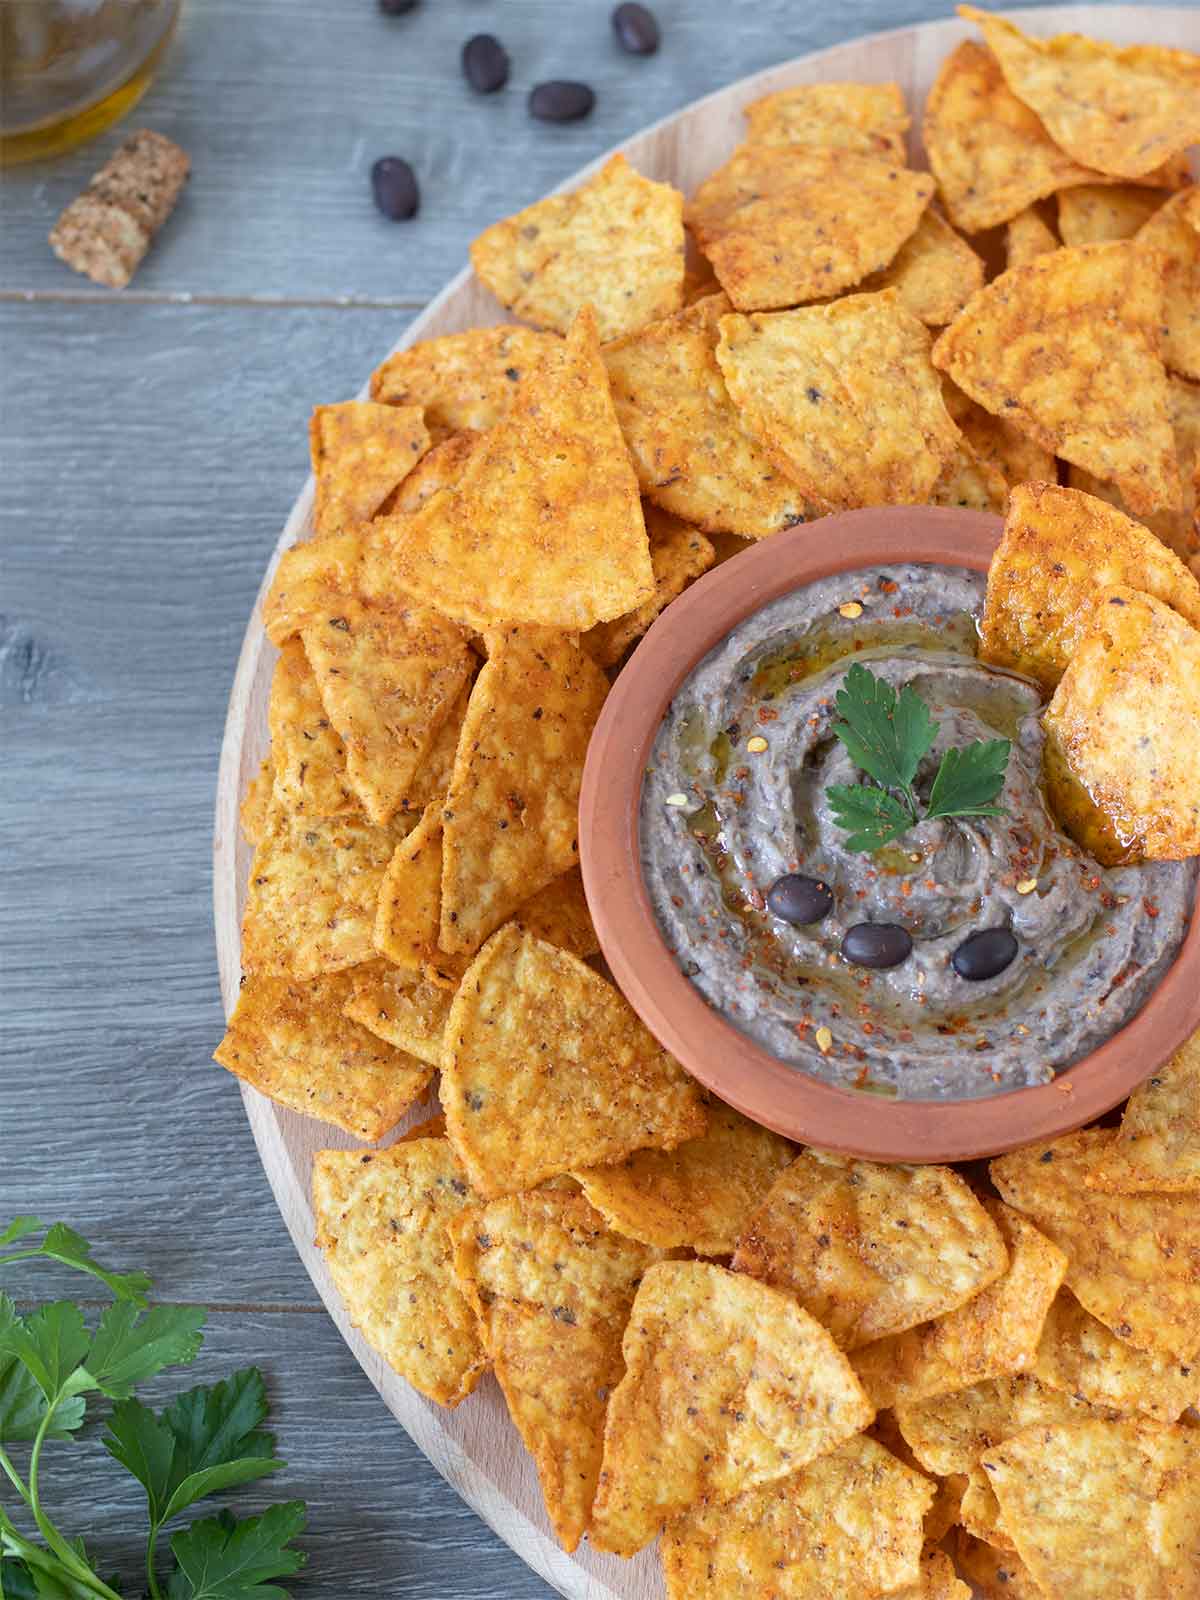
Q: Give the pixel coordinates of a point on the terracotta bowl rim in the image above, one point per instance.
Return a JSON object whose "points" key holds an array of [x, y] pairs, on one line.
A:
{"points": [[716, 1053]]}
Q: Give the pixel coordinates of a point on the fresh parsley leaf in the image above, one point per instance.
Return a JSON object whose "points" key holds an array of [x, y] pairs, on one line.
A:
{"points": [[23, 1405], [871, 816], [72, 1249], [223, 1559], [885, 734], [16, 1581], [969, 779], [128, 1347], [52, 1343], [20, 1228]]}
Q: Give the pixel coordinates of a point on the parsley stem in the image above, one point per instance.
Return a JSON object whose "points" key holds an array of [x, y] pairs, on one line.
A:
{"points": [[13, 1475], [151, 1577], [78, 1569]]}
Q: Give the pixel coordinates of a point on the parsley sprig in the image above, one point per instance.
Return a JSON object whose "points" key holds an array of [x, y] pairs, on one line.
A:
{"points": [[207, 1441], [888, 735]]}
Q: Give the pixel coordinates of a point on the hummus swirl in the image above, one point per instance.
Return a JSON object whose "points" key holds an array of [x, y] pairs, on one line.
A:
{"points": [[720, 823]]}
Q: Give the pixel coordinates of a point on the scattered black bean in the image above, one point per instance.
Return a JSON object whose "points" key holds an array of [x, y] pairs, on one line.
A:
{"points": [[798, 898], [637, 30], [561, 101], [397, 8], [877, 944], [394, 184], [984, 954], [485, 63]]}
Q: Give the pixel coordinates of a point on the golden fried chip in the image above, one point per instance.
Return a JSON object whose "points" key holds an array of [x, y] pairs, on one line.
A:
{"points": [[256, 803], [382, 1221], [311, 575], [1027, 236], [1122, 110], [678, 553], [291, 1042], [402, 1007], [1132, 1259], [969, 481], [1066, 347], [994, 1574], [948, 1491], [463, 380], [935, 272], [545, 524], [869, 119], [432, 777], [1080, 1356], [847, 1524], [552, 1288], [511, 813], [1172, 235], [314, 882], [997, 443], [1122, 731], [871, 1249], [936, 1582], [993, 1334], [950, 1433], [699, 1195], [1095, 213], [728, 1386], [546, 1068], [559, 914], [980, 1513], [690, 451], [1158, 1144], [616, 243], [788, 223], [360, 452], [442, 467], [1102, 1509], [843, 398], [410, 896], [1059, 552], [309, 757]]}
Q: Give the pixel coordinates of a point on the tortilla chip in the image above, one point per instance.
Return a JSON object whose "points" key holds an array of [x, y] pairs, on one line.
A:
{"points": [[441, 468], [1158, 1144], [410, 896], [678, 553], [463, 380], [784, 224], [309, 757], [546, 1068], [728, 1386], [995, 1333], [689, 449], [360, 452], [1059, 552], [979, 1511], [699, 1195], [1172, 235], [545, 524], [1132, 1258], [382, 1221], [867, 119], [935, 272], [559, 914], [1096, 213], [948, 1491], [552, 1288], [1080, 1356], [968, 481], [869, 1249], [950, 1434], [994, 1574], [256, 803], [1026, 236], [1066, 347], [402, 1007], [311, 575], [512, 810], [843, 398], [1121, 734], [847, 1524], [310, 907], [432, 778], [616, 244], [291, 1042], [1100, 1509], [1122, 110], [997, 443], [936, 1582]]}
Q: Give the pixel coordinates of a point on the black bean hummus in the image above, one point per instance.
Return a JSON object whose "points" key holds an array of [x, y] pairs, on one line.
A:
{"points": [[735, 821]]}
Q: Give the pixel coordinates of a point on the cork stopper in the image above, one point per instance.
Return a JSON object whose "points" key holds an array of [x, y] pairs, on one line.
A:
{"points": [[106, 231]]}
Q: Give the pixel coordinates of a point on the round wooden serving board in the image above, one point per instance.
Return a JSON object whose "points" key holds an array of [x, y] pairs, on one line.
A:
{"points": [[475, 1448]]}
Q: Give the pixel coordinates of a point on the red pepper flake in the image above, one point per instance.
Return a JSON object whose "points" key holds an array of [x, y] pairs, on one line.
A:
{"points": [[1150, 907], [888, 586], [868, 1027]]}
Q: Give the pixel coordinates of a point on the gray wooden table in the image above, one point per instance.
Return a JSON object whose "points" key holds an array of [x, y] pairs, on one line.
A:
{"points": [[152, 444]]}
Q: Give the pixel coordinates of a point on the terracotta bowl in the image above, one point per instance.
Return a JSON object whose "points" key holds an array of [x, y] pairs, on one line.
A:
{"points": [[741, 1072]]}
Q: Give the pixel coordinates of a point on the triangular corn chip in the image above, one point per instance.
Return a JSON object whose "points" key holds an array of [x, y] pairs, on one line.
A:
{"points": [[678, 553], [309, 757], [1080, 1356], [360, 452], [545, 524], [868, 119], [996, 442], [410, 896], [546, 1067], [979, 1511], [616, 244], [404, 1008], [441, 468], [382, 1221], [1173, 235], [1096, 213], [462, 380], [728, 1386], [967, 480], [291, 1042], [935, 272], [256, 802], [559, 914], [994, 1574], [1027, 236], [950, 1433], [1066, 347], [1158, 1144]]}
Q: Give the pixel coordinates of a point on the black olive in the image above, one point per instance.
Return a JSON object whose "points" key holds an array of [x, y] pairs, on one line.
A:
{"points": [[394, 184], [799, 899], [637, 30], [560, 101], [485, 63], [984, 954], [877, 944]]}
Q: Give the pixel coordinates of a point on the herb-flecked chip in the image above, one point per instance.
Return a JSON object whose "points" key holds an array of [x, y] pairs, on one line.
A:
{"points": [[699, 1195], [410, 896], [546, 1067], [937, 1581], [1080, 1356], [1027, 236], [869, 119], [441, 468], [291, 1042], [934, 272], [615, 243], [950, 1433], [678, 553], [729, 1386], [309, 756], [462, 380], [383, 1222], [948, 1491], [849, 1523], [256, 802], [967, 480], [1172, 236], [552, 1287], [979, 1511], [1158, 1143], [360, 452], [994, 1574], [870, 1249], [559, 914], [404, 1008], [1095, 213], [997, 443]]}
